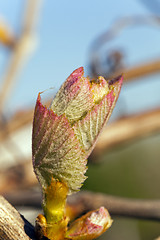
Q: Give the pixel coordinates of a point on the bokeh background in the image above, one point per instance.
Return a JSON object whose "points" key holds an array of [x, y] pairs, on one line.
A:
{"points": [[41, 43]]}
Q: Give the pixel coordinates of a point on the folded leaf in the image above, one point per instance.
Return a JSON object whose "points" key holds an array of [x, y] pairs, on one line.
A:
{"points": [[56, 150], [65, 134], [89, 226]]}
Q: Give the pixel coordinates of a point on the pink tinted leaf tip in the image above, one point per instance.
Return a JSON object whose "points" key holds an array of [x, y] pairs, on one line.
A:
{"points": [[90, 226]]}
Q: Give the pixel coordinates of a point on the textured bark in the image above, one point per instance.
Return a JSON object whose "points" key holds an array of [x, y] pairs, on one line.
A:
{"points": [[13, 226]]}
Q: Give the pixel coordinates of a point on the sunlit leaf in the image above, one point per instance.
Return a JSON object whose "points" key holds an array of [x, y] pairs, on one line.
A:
{"points": [[65, 134], [56, 150]]}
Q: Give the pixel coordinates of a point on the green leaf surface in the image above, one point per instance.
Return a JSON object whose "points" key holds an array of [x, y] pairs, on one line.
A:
{"points": [[65, 134], [56, 150]]}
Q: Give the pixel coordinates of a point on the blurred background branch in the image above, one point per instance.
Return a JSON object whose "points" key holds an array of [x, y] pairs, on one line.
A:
{"points": [[22, 47], [126, 130], [82, 202]]}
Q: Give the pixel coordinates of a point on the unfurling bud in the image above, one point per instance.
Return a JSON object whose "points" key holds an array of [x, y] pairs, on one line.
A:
{"points": [[65, 134], [63, 137], [90, 226]]}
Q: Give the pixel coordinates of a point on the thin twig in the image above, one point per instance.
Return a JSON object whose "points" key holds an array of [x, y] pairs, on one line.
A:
{"points": [[140, 71], [118, 206], [19, 120], [19, 52]]}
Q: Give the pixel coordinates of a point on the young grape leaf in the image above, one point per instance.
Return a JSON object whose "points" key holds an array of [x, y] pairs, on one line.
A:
{"points": [[65, 134]]}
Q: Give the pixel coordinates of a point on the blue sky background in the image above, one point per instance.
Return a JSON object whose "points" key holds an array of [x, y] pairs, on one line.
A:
{"points": [[64, 35]]}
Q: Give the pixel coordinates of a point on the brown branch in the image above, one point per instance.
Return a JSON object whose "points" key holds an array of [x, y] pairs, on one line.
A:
{"points": [[117, 206], [126, 129], [17, 177], [18, 121], [13, 226], [85, 201], [140, 71], [27, 198]]}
